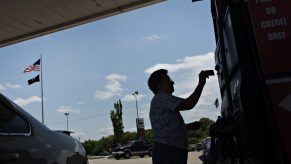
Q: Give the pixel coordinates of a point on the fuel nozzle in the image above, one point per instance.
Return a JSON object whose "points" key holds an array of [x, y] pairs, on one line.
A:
{"points": [[209, 72]]}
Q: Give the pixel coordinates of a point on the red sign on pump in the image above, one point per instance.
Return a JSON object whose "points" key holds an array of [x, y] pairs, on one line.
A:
{"points": [[271, 22]]}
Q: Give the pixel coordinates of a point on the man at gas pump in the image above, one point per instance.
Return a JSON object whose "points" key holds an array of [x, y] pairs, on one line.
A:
{"points": [[169, 130]]}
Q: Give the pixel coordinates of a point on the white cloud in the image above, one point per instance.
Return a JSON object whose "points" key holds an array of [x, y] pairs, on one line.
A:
{"points": [[113, 86], [81, 103], [103, 95], [95, 76], [23, 102], [2, 87], [188, 62], [77, 133], [195, 115], [103, 132], [9, 85], [153, 37], [12, 86], [144, 113], [129, 130], [185, 75], [67, 109], [130, 97], [116, 77]]}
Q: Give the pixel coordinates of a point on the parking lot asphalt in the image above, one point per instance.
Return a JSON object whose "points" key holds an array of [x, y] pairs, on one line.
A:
{"points": [[192, 159]]}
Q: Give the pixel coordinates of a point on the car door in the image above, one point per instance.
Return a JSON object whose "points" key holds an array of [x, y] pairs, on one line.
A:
{"points": [[13, 126], [8, 150], [138, 146], [133, 148]]}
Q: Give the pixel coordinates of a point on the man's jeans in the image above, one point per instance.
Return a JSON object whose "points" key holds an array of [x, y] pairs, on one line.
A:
{"points": [[164, 154]]}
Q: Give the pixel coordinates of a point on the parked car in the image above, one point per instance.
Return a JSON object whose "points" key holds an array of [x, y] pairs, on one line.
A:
{"points": [[104, 153], [132, 148], [206, 140], [191, 147], [199, 146], [206, 150], [23, 139]]}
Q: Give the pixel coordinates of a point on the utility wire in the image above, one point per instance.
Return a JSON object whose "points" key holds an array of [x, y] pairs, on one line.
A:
{"points": [[97, 115], [80, 119]]}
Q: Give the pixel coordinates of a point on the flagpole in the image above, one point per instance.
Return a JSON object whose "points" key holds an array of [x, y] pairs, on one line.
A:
{"points": [[41, 66]]}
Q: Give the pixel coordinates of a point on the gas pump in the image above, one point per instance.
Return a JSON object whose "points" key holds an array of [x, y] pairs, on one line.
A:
{"points": [[249, 129]]}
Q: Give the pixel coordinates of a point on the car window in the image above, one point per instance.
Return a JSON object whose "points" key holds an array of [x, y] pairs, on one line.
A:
{"points": [[129, 143], [11, 122], [138, 144]]}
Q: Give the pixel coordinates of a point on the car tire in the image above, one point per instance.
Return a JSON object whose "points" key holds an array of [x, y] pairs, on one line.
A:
{"points": [[127, 155], [141, 155], [150, 153]]}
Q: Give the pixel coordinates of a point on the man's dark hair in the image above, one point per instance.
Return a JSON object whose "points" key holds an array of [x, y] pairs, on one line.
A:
{"points": [[155, 78]]}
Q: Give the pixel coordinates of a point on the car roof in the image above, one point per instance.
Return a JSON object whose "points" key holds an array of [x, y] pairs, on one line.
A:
{"points": [[33, 121]]}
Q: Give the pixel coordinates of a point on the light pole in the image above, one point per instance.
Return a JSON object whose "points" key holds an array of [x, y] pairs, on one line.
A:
{"points": [[67, 115], [137, 119], [135, 95]]}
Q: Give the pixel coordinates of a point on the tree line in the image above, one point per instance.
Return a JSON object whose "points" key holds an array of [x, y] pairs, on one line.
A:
{"points": [[94, 147]]}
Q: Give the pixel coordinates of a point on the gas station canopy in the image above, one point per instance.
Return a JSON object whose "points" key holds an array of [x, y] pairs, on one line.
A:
{"points": [[26, 19]]}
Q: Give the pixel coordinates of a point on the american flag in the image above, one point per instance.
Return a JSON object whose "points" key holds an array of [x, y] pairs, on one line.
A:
{"points": [[34, 67]]}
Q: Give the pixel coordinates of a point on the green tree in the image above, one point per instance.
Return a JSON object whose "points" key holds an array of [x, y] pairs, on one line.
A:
{"points": [[205, 125], [90, 146], [128, 136], [117, 123], [195, 136], [148, 136], [94, 147]]}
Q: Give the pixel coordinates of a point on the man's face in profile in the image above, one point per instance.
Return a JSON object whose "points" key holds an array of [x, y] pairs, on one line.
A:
{"points": [[166, 85]]}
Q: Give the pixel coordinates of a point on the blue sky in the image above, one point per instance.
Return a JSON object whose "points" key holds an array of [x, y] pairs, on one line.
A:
{"points": [[88, 68]]}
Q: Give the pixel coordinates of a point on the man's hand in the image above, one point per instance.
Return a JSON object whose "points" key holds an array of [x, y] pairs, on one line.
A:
{"points": [[191, 101], [202, 78]]}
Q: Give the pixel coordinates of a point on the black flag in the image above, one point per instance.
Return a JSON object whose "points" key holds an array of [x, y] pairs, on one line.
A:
{"points": [[216, 103], [35, 79]]}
